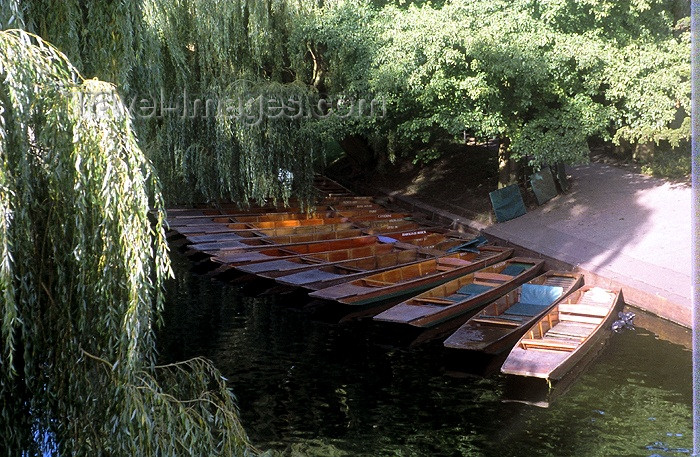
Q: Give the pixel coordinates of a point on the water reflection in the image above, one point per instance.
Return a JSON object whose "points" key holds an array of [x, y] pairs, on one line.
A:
{"points": [[310, 388]]}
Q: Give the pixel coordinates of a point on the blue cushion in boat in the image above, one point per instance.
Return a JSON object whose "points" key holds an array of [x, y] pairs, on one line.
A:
{"points": [[514, 269], [538, 294], [525, 309], [473, 289], [456, 297], [468, 291]]}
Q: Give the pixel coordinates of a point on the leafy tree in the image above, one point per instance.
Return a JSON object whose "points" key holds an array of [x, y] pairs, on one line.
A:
{"points": [[544, 77], [81, 276]]}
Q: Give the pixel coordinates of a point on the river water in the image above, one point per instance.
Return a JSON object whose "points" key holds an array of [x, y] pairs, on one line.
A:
{"points": [[312, 388]]}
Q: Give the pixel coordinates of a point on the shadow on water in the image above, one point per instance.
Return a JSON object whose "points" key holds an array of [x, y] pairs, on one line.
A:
{"points": [[309, 388]]}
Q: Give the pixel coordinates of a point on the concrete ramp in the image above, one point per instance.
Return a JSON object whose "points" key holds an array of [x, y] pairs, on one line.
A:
{"points": [[620, 228]]}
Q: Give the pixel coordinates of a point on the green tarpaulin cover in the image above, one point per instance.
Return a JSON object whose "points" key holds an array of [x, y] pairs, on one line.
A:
{"points": [[543, 186], [507, 203]]}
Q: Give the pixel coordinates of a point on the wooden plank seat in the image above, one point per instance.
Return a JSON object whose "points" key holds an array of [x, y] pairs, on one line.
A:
{"points": [[376, 283], [580, 319], [549, 343], [351, 269], [495, 320], [582, 313], [491, 277], [434, 301], [586, 310], [453, 262]]}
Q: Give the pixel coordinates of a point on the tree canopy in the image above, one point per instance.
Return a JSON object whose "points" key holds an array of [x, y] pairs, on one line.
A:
{"points": [[203, 100], [547, 76], [544, 76]]}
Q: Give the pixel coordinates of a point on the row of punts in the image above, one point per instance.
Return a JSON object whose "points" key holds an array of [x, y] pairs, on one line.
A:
{"points": [[360, 259]]}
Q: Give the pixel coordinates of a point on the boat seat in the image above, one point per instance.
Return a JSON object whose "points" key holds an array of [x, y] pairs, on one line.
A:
{"points": [[579, 318], [434, 300], [351, 269], [587, 310], [375, 283], [549, 343], [453, 262], [484, 276], [496, 320], [514, 269]]}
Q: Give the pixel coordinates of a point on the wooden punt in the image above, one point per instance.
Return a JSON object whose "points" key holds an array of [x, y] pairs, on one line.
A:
{"points": [[295, 238], [217, 216], [498, 327], [463, 295], [363, 211], [190, 216], [275, 268], [271, 232], [563, 336], [412, 278], [315, 277], [204, 229], [223, 227], [241, 257]]}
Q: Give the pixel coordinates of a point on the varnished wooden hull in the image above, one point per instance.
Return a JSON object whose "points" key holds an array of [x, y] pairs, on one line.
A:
{"points": [[435, 306], [323, 276], [551, 359], [494, 336], [420, 276]]}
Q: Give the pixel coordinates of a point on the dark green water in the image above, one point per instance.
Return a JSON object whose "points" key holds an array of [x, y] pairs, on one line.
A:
{"points": [[308, 388]]}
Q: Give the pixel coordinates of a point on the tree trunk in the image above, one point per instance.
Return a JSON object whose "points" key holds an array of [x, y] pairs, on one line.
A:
{"points": [[359, 151], [506, 165]]}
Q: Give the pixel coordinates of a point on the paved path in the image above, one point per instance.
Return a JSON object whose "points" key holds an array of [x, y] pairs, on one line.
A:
{"points": [[628, 228]]}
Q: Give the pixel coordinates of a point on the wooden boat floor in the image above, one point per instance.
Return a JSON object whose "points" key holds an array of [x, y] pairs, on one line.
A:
{"points": [[403, 313], [529, 362], [305, 277], [273, 265], [341, 291], [570, 329]]}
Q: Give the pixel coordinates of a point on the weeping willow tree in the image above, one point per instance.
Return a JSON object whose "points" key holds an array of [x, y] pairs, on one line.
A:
{"points": [[82, 266], [174, 62]]}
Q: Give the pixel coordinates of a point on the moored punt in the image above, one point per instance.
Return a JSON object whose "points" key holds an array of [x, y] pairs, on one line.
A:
{"points": [[461, 297], [190, 216], [370, 227], [294, 238], [331, 212], [271, 232], [227, 227], [563, 336], [497, 327], [283, 252], [211, 228], [321, 276], [281, 266], [412, 278]]}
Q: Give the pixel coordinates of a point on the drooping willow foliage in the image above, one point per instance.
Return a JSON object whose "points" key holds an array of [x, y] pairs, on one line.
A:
{"points": [[82, 266], [176, 63]]}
